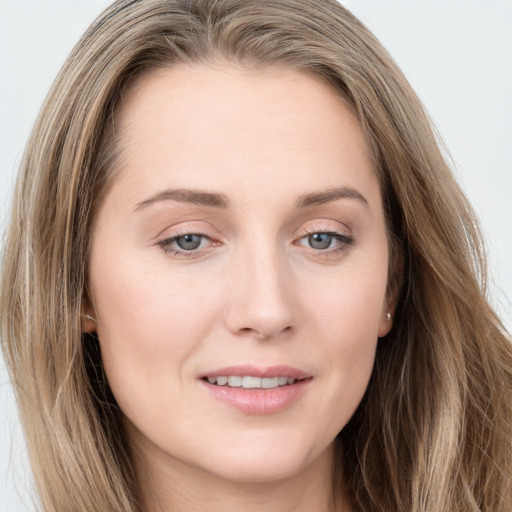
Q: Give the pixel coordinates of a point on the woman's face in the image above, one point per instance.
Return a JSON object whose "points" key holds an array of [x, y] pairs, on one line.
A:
{"points": [[243, 240]]}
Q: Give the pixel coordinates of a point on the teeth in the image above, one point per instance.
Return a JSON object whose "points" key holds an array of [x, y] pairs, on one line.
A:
{"points": [[250, 382], [234, 382], [270, 383]]}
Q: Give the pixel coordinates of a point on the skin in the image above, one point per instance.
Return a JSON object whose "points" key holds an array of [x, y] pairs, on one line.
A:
{"points": [[257, 290]]}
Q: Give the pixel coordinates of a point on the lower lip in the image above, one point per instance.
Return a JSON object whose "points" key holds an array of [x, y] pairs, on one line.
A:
{"points": [[259, 401]]}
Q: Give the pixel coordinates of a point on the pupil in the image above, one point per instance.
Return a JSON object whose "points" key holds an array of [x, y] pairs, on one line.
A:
{"points": [[189, 242], [320, 240]]}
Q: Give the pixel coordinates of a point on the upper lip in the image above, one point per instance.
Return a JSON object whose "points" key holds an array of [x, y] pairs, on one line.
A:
{"points": [[258, 371]]}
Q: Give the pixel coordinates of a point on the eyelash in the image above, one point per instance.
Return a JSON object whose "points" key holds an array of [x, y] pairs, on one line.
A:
{"points": [[345, 242], [166, 244]]}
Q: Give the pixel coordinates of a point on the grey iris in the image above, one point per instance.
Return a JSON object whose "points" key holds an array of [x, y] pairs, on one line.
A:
{"points": [[320, 240], [189, 242]]}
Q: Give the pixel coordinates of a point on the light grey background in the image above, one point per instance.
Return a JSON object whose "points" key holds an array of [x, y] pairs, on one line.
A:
{"points": [[456, 53]]}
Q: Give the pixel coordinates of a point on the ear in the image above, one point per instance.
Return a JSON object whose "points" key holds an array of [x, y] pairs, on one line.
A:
{"points": [[386, 320], [88, 323], [392, 294], [88, 317]]}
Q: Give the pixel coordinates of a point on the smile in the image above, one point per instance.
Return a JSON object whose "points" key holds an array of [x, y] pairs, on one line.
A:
{"points": [[250, 382], [257, 390]]}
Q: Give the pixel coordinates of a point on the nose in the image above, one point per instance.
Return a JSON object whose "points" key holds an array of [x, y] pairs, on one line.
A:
{"points": [[261, 298]]}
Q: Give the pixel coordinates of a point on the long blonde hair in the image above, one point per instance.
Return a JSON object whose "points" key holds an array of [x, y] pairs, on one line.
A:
{"points": [[434, 430]]}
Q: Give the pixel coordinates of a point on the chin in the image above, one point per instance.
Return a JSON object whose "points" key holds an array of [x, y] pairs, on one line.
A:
{"points": [[273, 461], [258, 471]]}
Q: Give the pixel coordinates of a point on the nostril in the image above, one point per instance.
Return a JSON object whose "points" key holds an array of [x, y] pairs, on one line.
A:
{"points": [[263, 313]]}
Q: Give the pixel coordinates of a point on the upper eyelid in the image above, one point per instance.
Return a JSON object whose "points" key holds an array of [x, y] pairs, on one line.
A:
{"points": [[205, 228], [325, 224], [325, 227], [176, 232], [327, 231]]}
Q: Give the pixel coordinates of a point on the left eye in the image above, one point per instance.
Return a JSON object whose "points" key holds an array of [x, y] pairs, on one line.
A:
{"points": [[320, 240], [189, 242], [324, 241]]}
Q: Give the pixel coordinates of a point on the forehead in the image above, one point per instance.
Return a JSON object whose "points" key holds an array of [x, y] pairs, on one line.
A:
{"points": [[226, 126], [209, 94]]}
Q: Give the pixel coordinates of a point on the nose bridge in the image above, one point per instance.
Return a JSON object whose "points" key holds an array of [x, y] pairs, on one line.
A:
{"points": [[261, 300]]}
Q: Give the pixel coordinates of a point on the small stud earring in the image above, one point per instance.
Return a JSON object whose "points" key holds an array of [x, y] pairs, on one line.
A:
{"points": [[388, 316]]}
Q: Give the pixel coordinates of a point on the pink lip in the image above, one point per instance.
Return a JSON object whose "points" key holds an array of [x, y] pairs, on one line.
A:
{"points": [[257, 371], [258, 401]]}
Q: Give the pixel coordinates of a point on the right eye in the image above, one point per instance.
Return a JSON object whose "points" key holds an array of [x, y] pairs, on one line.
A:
{"points": [[186, 244], [189, 242]]}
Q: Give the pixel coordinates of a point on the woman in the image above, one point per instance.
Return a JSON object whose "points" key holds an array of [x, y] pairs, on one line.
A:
{"points": [[240, 274]]}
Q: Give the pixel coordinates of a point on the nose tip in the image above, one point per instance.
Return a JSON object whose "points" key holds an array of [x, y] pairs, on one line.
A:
{"points": [[264, 327], [261, 302]]}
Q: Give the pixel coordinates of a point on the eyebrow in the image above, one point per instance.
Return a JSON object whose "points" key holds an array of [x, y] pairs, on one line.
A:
{"points": [[329, 195], [198, 197], [216, 200]]}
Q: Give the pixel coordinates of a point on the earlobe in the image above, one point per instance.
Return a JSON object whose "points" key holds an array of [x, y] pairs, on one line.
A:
{"points": [[386, 323], [88, 316], [89, 323], [393, 291]]}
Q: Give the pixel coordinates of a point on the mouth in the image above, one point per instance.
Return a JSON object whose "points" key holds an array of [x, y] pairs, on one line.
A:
{"points": [[256, 390], [251, 381]]}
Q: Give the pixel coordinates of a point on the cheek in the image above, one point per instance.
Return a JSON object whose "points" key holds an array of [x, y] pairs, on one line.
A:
{"points": [[149, 324], [347, 319], [350, 304]]}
